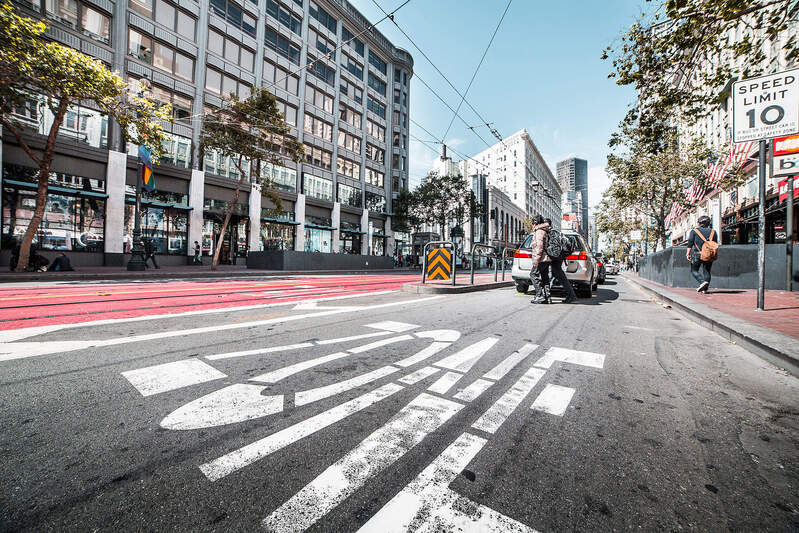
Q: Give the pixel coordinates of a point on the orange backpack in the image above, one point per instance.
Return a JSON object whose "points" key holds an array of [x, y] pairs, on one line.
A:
{"points": [[710, 248]]}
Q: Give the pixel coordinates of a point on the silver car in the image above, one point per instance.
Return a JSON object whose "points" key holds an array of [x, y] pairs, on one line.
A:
{"points": [[579, 265]]}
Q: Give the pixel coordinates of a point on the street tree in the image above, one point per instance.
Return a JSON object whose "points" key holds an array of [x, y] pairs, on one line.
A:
{"points": [[254, 135], [443, 198], [404, 217], [32, 68]]}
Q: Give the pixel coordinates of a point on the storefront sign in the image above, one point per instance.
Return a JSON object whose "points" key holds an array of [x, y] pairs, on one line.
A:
{"points": [[783, 188], [786, 155], [766, 107]]}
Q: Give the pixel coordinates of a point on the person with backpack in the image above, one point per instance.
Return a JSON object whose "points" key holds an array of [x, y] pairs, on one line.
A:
{"points": [[559, 247], [539, 274], [703, 246]]}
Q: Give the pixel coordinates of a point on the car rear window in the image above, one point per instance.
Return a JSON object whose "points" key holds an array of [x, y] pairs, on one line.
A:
{"points": [[528, 242], [577, 243]]}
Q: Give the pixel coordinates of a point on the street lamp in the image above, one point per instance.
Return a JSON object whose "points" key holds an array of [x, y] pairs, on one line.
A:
{"points": [[136, 261]]}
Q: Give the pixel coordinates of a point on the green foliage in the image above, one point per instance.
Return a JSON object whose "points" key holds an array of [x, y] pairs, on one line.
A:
{"points": [[442, 198], [404, 218]]}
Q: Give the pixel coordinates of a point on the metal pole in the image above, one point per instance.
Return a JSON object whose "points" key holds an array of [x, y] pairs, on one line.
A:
{"points": [[471, 268], [789, 235], [136, 261], [454, 259], [761, 236], [424, 262], [496, 267], [646, 239], [503, 262]]}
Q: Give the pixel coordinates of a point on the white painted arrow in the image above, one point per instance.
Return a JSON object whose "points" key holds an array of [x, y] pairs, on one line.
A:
{"points": [[575, 357]]}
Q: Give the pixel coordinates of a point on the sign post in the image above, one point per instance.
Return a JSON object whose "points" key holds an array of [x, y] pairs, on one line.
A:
{"points": [[785, 160], [764, 108]]}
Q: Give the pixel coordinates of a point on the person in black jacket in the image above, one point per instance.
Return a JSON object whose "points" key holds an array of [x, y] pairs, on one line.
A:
{"points": [[149, 252], [700, 270]]}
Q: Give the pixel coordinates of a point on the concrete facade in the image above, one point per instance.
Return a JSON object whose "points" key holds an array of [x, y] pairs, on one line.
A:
{"points": [[572, 176]]}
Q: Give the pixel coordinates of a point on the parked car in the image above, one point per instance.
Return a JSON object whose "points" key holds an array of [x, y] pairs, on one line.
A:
{"points": [[612, 268], [602, 272], [579, 266]]}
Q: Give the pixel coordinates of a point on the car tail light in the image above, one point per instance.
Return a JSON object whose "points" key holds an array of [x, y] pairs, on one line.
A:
{"points": [[599, 264], [523, 255], [581, 256]]}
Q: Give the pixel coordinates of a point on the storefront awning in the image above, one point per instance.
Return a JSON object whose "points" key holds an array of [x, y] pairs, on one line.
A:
{"points": [[280, 221], [317, 226], [155, 203], [380, 235], [55, 188], [353, 231]]}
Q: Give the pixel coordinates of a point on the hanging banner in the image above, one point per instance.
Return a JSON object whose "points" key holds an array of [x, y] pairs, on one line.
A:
{"points": [[147, 178]]}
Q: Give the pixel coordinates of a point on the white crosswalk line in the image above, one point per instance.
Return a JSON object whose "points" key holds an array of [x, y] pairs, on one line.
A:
{"points": [[390, 325], [378, 344], [170, 376], [282, 373], [445, 382], [499, 371], [234, 403], [474, 390], [496, 415], [425, 353], [353, 338], [259, 351], [419, 375], [554, 399], [313, 395], [238, 459], [566, 355], [406, 429], [463, 360]]}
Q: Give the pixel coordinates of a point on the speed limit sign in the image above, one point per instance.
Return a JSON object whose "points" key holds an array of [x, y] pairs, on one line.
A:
{"points": [[766, 107]]}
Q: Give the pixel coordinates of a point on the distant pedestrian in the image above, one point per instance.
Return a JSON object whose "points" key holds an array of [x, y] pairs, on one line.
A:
{"points": [[559, 247], [703, 244], [149, 252], [197, 259], [539, 274], [60, 264]]}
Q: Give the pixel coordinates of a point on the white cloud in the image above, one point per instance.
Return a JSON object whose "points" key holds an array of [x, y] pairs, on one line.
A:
{"points": [[598, 182]]}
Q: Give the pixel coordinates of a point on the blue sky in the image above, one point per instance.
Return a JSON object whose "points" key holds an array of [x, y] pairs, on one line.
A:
{"points": [[543, 73]]}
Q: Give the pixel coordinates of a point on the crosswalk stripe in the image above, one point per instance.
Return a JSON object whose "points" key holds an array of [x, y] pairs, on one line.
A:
{"points": [[392, 325], [499, 371], [566, 355], [313, 395], [282, 373], [475, 389], [406, 429], [423, 354], [501, 410], [170, 376], [463, 360], [554, 399], [259, 351], [238, 459], [378, 344], [445, 382], [419, 375]]}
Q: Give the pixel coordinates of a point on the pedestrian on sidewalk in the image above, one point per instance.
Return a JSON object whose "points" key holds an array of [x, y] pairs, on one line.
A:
{"points": [[197, 259], [557, 250], [149, 252], [702, 251], [539, 275]]}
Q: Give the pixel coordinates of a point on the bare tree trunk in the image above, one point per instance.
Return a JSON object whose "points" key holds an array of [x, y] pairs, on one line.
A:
{"points": [[41, 191], [228, 213]]}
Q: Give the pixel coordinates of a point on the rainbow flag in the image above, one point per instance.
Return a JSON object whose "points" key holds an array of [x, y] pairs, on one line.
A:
{"points": [[148, 179]]}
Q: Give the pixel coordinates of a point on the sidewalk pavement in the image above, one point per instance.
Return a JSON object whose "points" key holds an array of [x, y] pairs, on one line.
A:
{"points": [[732, 313], [172, 272], [482, 282]]}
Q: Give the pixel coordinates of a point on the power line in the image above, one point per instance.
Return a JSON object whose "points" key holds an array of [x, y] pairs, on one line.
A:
{"points": [[493, 131], [434, 66]]}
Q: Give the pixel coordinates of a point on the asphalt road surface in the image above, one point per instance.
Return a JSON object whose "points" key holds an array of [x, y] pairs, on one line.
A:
{"points": [[375, 410]]}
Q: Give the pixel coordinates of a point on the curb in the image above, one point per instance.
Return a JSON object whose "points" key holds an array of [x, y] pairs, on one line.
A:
{"points": [[776, 348], [418, 288]]}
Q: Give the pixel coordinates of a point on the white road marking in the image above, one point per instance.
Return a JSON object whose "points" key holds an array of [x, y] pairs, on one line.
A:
{"points": [[463, 360], [378, 344], [282, 373], [353, 338], [406, 429], [258, 351], [238, 459], [441, 335], [474, 390], [235, 403], [390, 325], [170, 376], [423, 354], [419, 375], [499, 371], [445, 382], [501, 410], [428, 504], [554, 399], [313, 395], [566, 355]]}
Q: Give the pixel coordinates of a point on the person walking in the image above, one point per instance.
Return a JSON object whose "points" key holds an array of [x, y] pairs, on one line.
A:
{"points": [[702, 250], [149, 252], [558, 253], [539, 274], [197, 259]]}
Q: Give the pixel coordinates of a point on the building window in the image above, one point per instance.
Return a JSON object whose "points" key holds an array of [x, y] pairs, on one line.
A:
{"points": [[375, 130], [378, 63], [396, 138], [348, 89], [282, 46], [349, 141], [319, 98], [317, 187], [347, 195], [78, 16], [160, 55], [348, 168], [321, 71], [375, 83], [374, 177], [324, 17], [318, 240], [166, 227], [223, 165], [318, 127], [396, 96], [284, 16], [177, 150], [80, 123], [181, 105], [277, 236], [277, 77], [349, 116], [352, 66], [234, 14], [320, 158], [375, 154], [289, 112], [225, 85], [375, 202], [376, 107], [231, 50], [322, 44], [279, 177], [354, 42]]}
